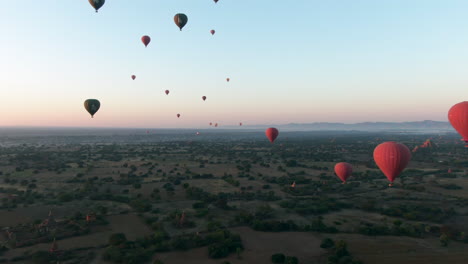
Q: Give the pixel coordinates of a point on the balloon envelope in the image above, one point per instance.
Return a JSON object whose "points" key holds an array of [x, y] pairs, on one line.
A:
{"points": [[133, 77], [392, 158], [92, 106], [458, 117], [146, 40], [343, 170], [167, 92], [204, 98], [97, 4], [227, 79], [272, 133], [212, 32], [180, 20]]}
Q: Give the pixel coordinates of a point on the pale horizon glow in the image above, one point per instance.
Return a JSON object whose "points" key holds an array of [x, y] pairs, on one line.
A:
{"points": [[297, 61]]}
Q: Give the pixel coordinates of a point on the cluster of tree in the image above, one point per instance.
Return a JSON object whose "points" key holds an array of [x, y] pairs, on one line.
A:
{"points": [[419, 212], [280, 258], [338, 252], [220, 244]]}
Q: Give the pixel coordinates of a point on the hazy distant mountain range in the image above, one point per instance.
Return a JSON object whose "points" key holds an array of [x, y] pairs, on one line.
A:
{"points": [[426, 126], [415, 126]]}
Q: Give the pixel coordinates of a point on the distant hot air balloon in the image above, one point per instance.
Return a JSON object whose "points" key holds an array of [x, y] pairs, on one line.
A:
{"points": [[216, 1], [133, 77], [178, 115], [92, 106], [198, 133], [146, 40], [228, 79], [216, 125], [449, 170], [211, 123], [458, 117], [272, 133], [343, 170], [167, 92], [204, 98], [97, 4], [392, 158], [240, 124], [212, 32], [180, 20]]}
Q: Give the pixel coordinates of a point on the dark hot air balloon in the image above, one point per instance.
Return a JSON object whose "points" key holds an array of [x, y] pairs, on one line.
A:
{"points": [[146, 40], [240, 124], [458, 117], [92, 106], [216, 1], [392, 158], [227, 79], [212, 32], [97, 4], [133, 77], [211, 123], [178, 115], [272, 133], [167, 92], [204, 98], [343, 170], [180, 20]]}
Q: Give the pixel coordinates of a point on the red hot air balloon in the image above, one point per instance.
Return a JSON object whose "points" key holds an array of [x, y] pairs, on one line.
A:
{"points": [[392, 158], [343, 170], [272, 133], [167, 92], [211, 123], [240, 124], [178, 115], [216, 125], [146, 40], [458, 117], [212, 32], [228, 79], [133, 77], [204, 98]]}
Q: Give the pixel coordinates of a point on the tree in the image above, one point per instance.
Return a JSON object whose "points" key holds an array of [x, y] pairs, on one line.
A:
{"points": [[291, 260], [278, 258], [117, 239], [327, 243], [444, 240]]}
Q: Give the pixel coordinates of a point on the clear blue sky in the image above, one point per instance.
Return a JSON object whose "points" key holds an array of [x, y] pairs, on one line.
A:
{"points": [[288, 61]]}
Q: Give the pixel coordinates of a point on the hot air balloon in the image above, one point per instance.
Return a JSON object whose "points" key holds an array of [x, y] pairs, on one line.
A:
{"points": [[211, 123], [343, 170], [216, 125], [240, 124], [180, 20], [227, 79], [146, 40], [392, 158], [133, 77], [272, 133], [178, 115], [92, 106], [198, 133], [97, 4], [458, 117], [216, 1], [167, 92], [212, 32], [204, 98]]}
